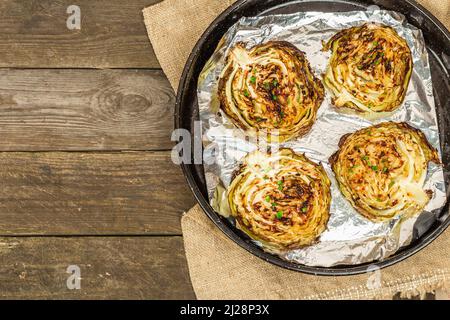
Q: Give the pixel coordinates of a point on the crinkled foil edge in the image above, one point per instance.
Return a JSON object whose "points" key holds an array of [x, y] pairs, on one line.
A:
{"points": [[349, 239]]}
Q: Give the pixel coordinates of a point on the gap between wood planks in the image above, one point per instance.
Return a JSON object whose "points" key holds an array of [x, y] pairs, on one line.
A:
{"points": [[35, 34], [77, 193], [85, 110], [109, 268]]}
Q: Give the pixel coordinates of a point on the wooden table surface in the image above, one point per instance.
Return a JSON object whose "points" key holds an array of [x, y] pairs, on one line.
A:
{"points": [[86, 176]]}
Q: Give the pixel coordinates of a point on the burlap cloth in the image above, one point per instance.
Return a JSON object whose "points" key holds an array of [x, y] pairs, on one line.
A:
{"points": [[219, 268]]}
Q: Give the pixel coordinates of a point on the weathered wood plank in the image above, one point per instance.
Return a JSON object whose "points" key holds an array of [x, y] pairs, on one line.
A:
{"points": [[110, 268], [71, 193], [85, 110], [112, 34]]}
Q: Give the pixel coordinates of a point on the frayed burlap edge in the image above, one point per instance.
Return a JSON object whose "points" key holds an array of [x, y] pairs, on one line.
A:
{"points": [[408, 287], [203, 245]]}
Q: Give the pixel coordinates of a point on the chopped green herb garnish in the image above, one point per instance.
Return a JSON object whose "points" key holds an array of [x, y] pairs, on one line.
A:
{"points": [[280, 185], [274, 204], [246, 93], [266, 86], [304, 209], [385, 169], [274, 97], [365, 158], [375, 43], [352, 168], [275, 83], [253, 79], [267, 198], [374, 168], [391, 183], [280, 214]]}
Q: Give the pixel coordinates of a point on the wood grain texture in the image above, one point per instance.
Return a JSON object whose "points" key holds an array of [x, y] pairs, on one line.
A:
{"points": [[112, 35], [85, 110], [71, 193], [111, 268]]}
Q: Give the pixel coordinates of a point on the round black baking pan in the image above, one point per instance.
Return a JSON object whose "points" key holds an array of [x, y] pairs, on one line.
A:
{"points": [[437, 40]]}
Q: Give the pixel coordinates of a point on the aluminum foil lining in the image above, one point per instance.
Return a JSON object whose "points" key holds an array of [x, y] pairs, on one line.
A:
{"points": [[349, 239]]}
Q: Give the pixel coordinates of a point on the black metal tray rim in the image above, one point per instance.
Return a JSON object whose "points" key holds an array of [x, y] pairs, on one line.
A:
{"points": [[251, 248]]}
